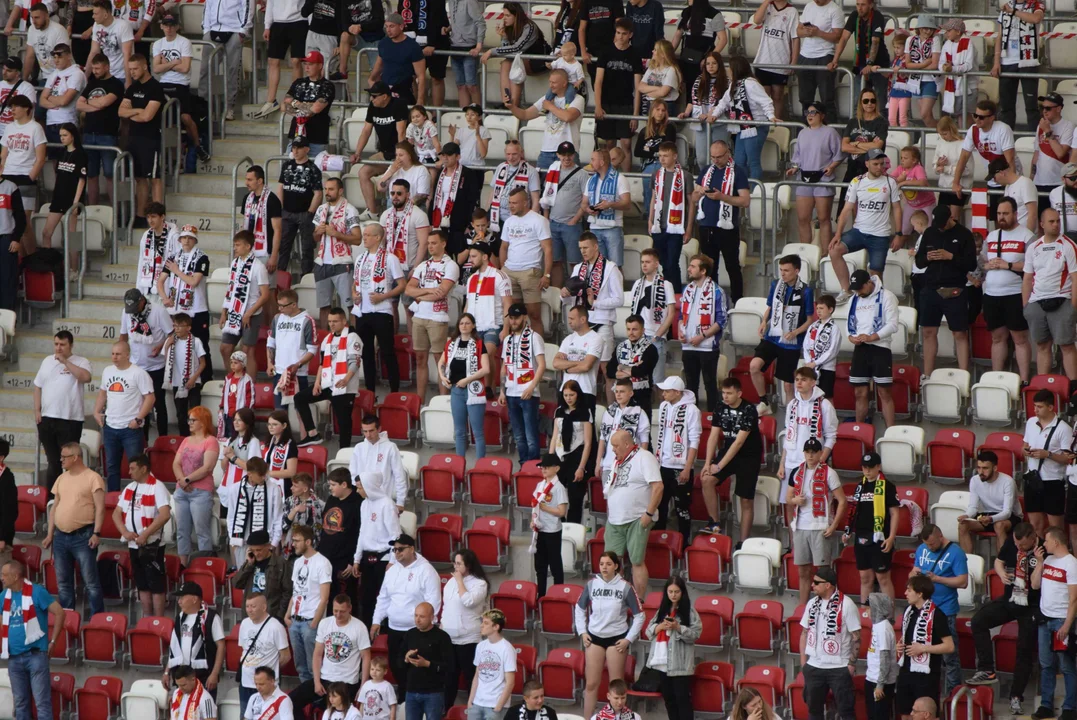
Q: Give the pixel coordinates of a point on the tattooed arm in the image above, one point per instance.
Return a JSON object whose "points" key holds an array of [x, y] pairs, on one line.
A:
{"points": [[854, 650]]}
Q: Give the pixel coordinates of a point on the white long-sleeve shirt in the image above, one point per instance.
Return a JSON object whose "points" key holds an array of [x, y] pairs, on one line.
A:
{"points": [[402, 589], [283, 11], [384, 457], [997, 498], [611, 295], [674, 438], [605, 607], [876, 313], [822, 342], [760, 105], [461, 615], [228, 16], [798, 416]]}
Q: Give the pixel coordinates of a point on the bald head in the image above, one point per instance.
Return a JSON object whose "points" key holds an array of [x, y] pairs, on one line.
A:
{"points": [[925, 707], [121, 354], [424, 616], [622, 443]]}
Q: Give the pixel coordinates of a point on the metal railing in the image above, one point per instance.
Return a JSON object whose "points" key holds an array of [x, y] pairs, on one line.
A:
{"points": [[246, 160], [171, 104], [65, 221], [215, 50]]}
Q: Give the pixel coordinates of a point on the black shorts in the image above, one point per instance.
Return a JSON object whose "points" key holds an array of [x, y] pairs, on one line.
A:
{"points": [[1071, 505], [912, 686], [786, 360], [826, 381], [946, 198], [1005, 311], [614, 129], [182, 93], [147, 156], [746, 469], [148, 571], [1014, 519], [288, 36], [870, 556], [607, 642], [871, 362], [436, 64], [934, 307], [1052, 500], [766, 77]]}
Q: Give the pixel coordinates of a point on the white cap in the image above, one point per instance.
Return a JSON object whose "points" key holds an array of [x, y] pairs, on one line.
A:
{"points": [[239, 356], [673, 382]]}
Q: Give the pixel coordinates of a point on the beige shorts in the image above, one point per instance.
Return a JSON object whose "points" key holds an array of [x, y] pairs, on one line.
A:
{"points": [[526, 284], [427, 334]]}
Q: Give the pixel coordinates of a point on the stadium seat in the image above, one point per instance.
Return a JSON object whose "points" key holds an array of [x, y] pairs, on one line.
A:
{"points": [[63, 651], [441, 481], [917, 496], [29, 556], [944, 513], [1005, 643], [848, 577], [1057, 384], [103, 639], [162, 454], [712, 688], [526, 669], [744, 321], [439, 537], [98, 698], [33, 501], [573, 545], [854, 440], [487, 484], [146, 699], [968, 596], [945, 394], [436, 422], [399, 415], [767, 493], [901, 448], [768, 680], [995, 399], [905, 391], [518, 599], [524, 482], [757, 629], [844, 398], [794, 633], [562, 676], [756, 564], [63, 694], [556, 612], [707, 561], [982, 698], [489, 539], [1009, 446], [147, 642], [949, 455], [664, 551]]}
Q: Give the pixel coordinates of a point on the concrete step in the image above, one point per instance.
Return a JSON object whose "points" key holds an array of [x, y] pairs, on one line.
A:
{"points": [[105, 288], [250, 128], [258, 148], [217, 246], [222, 164], [208, 183], [18, 427], [104, 325], [39, 343], [210, 221], [198, 203], [24, 400], [17, 380]]}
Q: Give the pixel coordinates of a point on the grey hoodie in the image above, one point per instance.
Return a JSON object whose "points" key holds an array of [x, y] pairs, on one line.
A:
{"points": [[682, 643], [882, 626], [467, 23]]}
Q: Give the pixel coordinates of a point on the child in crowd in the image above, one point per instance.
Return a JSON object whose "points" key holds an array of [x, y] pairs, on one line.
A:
{"points": [[496, 659], [302, 507], [254, 503], [479, 232], [882, 669], [473, 139], [339, 702], [549, 507], [238, 393], [919, 221], [900, 95], [185, 358], [423, 134], [377, 697], [911, 174], [822, 341], [568, 62], [617, 708]]}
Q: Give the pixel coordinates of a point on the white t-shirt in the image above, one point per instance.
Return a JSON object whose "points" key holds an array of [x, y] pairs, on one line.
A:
{"points": [[557, 130], [882, 642], [492, 661], [160, 325], [343, 658], [133, 514], [1000, 283], [814, 637], [63, 80], [22, 142], [43, 41], [525, 235], [806, 520], [124, 390], [418, 177], [61, 393], [825, 18], [265, 651], [515, 380], [173, 50], [468, 140], [365, 268], [1058, 574], [179, 355], [1049, 169], [650, 327], [257, 705], [573, 69], [1052, 267], [992, 143], [111, 39], [25, 89], [422, 139], [776, 41], [375, 699], [1036, 437], [576, 347], [1023, 191], [629, 491], [1067, 211], [216, 632], [598, 222], [873, 198], [665, 77], [546, 522], [308, 576], [418, 220], [430, 274]]}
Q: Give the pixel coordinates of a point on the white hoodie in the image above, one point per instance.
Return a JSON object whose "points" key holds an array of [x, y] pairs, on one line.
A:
{"points": [[384, 457], [876, 313], [283, 11], [678, 431], [798, 421], [379, 522], [403, 589], [605, 607], [228, 16], [461, 615]]}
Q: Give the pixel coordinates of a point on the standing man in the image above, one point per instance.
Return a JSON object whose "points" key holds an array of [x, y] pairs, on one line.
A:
{"points": [[171, 60], [265, 571], [679, 428], [578, 356], [290, 346], [990, 138], [873, 319], [197, 640], [401, 62], [229, 22], [112, 37], [42, 36], [300, 193], [703, 316], [61, 93], [810, 414], [513, 173], [263, 642], [247, 293], [670, 216], [869, 26], [285, 30], [377, 453], [742, 446], [159, 243], [815, 490], [1050, 295], [633, 491], [597, 31], [1017, 51], [718, 213], [430, 285], [58, 408], [831, 646], [1054, 138], [1018, 188], [487, 298], [262, 217], [821, 26], [634, 360], [124, 402], [1048, 440], [946, 565], [624, 414], [563, 118], [601, 292], [309, 100], [337, 381], [1056, 578], [562, 206], [925, 636], [872, 527], [146, 326], [340, 530], [387, 118], [341, 654], [947, 254], [619, 68], [100, 105], [143, 510], [75, 528], [523, 365], [526, 254], [790, 310], [1003, 308], [653, 300], [26, 647], [1064, 199], [604, 203], [407, 226], [142, 101], [430, 659], [457, 191], [994, 505], [378, 279], [336, 229], [312, 581]]}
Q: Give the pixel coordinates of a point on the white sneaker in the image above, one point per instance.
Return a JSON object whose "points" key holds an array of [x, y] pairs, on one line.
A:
{"points": [[267, 109], [230, 115], [763, 409], [843, 297], [1015, 705], [367, 215]]}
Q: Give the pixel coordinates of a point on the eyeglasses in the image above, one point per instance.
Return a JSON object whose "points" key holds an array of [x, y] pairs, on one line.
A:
{"points": [[868, 101], [818, 582], [192, 420], [284, 305], [68, 457], [398, 550], [812, 112], [981, 117], [57, 54]]}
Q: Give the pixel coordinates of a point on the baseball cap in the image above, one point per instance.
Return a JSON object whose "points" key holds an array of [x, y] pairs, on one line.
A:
{"points": [[566, 148], [871, 460], [549, 460], [997, 165], [239, 356], [858, 279], [189, 231], [258, 537], [817, 107], [131, 300], [188, 588], [517, 310], [1069, 170], [13, 63], [940, 217], [314, 57], [169, 19], [827, 573], [813, 445], [403, 539], [875, 154], [672, 382], [378, 88], [450, 148], [474, 107], [394, 18], [1053, 98], [300, 141]]}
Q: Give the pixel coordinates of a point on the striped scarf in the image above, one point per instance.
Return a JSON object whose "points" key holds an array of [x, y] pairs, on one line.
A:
{"points": [[605, 188], [831, 627], [276, 455], [179, 291], [138, 505], [519, 368], [378, 273], [30, 624], [180, 387], [979, 202], [397, 231], [1027, 40], [238, 294], [675, 212], [335, 362], [658, 297], [815, 418], [505, 178], [238, 393], [471, 354], [185, 705], [251, 512], [254, 209], [441, 218], [593, 278], [960, 62], [921, 634], [819, 504]]}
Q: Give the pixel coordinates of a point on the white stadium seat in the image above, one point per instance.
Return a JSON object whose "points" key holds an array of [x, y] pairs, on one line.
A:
{"points": [[756, 564], [436, 421], [901, 449], [996, 398], [744, 321], [945, 394], [967, 596]]}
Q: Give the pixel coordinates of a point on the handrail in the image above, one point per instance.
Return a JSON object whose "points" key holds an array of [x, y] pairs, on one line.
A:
{"points": [[169, 104], [67, 264], [216, 49], [961, 692], [235, 179]]}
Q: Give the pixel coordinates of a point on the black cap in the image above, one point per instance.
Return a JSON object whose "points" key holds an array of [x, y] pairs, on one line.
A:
{"points": [[378, 88], [482, 247], [188, 588], [300, 141], [1052, 97], [858, 279], [475, 107], [566, 148], [517, 310], [450, 148], [169, 19], [13, 63], [997, 165], [817, 107], [403, 539], [875, 154], [871, 460], [131, 300], [258, 537], [549, 460], [810, 445], [827, 573], [940, 217]]}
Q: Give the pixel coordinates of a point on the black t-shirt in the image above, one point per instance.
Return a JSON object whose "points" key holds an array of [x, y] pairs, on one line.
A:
{"points": [[600, 16], [513, 713], [311, 91], [865, 512], [70, 168], [273, 209], [384, 120], [735, 420], [702, 41], [647, 146], [107, 120], [619, 70], [863, 31], [866, 130], [1008, 555], [340, 529], [323, 17], [458, 368], [142, 94], [300, 183], [940, 630]]}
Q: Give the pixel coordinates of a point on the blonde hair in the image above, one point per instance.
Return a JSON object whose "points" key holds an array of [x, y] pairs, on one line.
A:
{"points": [[664, 57], [946, 125], [653, 128], [744, 698], [860, 102]]}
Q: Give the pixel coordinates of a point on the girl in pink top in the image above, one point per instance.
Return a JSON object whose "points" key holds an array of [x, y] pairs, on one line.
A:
{"points": [[910, 174]]}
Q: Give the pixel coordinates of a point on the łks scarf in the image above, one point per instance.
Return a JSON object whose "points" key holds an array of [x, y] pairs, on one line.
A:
{"points": [[786, 319], [833, 620], [378, 274], [821, 334], [185, 705], [553, 179], [337, 218], [603, 188], [471, 354], [543, 494], [819, 499], [446, 198], [30, 624], [179, 291], [238, 393], [979, 202], [276, 455], [960, 62], [675, 211], [187, 365], [396, 232], [592, 278], [658, 297], [140, 505], [921, 634], [702, 298], [1027, 40], [334, 362], [519, 368], [608, 713], [505, 178], [725, 210], [618, 477], [254, 209], [679, 448], [815, 418], [152, 257], [252, 509], [239, 288], [740, 109]]}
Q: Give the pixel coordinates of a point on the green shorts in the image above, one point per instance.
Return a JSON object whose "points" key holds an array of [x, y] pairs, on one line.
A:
{"points": [[631, 538]]}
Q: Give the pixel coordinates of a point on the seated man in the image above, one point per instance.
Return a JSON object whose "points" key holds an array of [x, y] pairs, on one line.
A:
{"points": [[993, 504]]}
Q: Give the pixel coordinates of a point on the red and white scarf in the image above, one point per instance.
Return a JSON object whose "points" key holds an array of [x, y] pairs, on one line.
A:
{"points": [[815, 418], [921, 634], [187, 363], [553, 178], [238, 294], [287, 386], [445, 196], [273, 710], [505, 178], [675, 211], [254, 208], [378, 274], [725, 210], [1028, 50], [833, 619], [482, 299], [139, 502], [618, 476], [276, 455], [338, 220], [185, 705], [704, 307], [659, 657], [179, 291], [979, 204], [1021, 576], [238, 393], [608, 713], [543, 494], [471, 354], [819, 495], [519, 365], [960, 63], [151, 259], [335, 362], [30, 624], [593, 277], [397, 224]]}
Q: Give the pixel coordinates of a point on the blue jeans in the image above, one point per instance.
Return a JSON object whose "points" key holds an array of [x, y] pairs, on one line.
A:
{"points": [[524, 420], [668, 246], [659, 373], [478, 712], [1049, 660], [117, 443], [951, 664], [99, 161], [302, 636], [566, 242], [463, 415], [432, 705], [71, 548], [193, 506], [466, 70], [749, 152], [245, 694], [648, 186], [29, 673], [876, 245], [546, 158], [303, 382], [611, 243]]}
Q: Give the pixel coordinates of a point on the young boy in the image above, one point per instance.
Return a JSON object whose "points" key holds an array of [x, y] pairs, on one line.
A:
{"points": [[573, 68], [549, 507], [496, 659], [376, 697], [254, 503], [920, 223], [302, 507], [185, 358], [618, 703], [821, 344], [238, 394], [532, 706]]}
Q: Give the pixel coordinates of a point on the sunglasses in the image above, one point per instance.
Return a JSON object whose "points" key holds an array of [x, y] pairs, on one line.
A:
{"points": [[868, 101], [818, 582], [399, 550], [396, 193], [57, 54], [981, 117], [1048, 107]]}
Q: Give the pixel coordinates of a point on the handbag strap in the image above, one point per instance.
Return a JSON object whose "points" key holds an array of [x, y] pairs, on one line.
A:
{"points": [[253, 641], [1047, 445]]}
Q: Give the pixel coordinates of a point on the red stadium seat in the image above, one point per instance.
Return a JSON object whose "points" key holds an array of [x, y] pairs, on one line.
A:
{"points": [[916, 495], [147, 643], [1059, 385], [982, 698], [30, 556], [103, 638], [518, 599], [63, 693], [233, 653], [405, 359], [794, 699], [526, 667], [162, 454], [441, 480], [966, 648], [489, 539], [758, 627], [439, 536], [122, 558], [950, 454], [793, 632], [456, 712], [598, 501], [263, 399], [33, 502], [742, 371], [556, 611], [707, 560], [495, 425], [487, 484], [902, 564], [172, 570], [651, 604], [712, 687], [767, 679], [562, 674], [1006, 648], [905, 390], [62, 651], [848, 575], [844, 398], [630, 674], [716, 614], [791, 574], [109, 531], [399, 415], [98, 698], [313, 460], [380, 647], [524, 482], [854, 440], [995, 587], [768, 430], [207, 580], [664, 551], [38, 291], [1009, 446]]}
